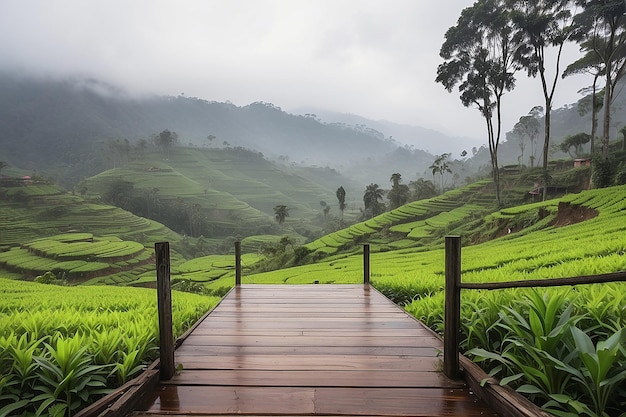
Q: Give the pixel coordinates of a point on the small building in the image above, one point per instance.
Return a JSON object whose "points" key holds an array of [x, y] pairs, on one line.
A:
{"points": [[582, 162]]}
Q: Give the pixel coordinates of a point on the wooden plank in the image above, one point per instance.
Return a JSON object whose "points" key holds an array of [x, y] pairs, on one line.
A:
{"points": [[308, 350], [323, 401], [306, 324], [345, 332], [400, 402], [309, 362], [312, 341], [333, 378]]}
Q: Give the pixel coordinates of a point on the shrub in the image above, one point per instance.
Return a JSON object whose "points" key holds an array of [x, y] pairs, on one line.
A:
{"points": [[602, 173]]}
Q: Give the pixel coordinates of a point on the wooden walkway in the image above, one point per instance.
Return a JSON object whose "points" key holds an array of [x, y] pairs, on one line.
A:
{"points": [[311, 350]]}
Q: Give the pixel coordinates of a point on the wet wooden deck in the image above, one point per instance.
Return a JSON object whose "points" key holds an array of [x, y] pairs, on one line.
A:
{"points": [[311, 350]]}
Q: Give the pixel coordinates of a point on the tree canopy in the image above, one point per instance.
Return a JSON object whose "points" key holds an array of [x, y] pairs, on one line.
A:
{"points": [[479, 55]]}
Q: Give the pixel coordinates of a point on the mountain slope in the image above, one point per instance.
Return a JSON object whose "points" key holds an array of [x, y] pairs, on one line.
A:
{"points": [[61, 128]]}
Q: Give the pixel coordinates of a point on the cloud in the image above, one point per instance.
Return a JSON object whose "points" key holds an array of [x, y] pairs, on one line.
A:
{"points": [[369, 57]]}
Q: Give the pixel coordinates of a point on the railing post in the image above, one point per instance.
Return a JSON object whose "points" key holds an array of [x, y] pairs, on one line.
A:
{"points": [[366, 264], [452, 308], [164, 301], [237, 263]]}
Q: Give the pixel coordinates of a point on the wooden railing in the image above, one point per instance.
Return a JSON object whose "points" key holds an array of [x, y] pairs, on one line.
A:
{"points": [[452, 313], [366, 263], [452, 325], [167, 368]]}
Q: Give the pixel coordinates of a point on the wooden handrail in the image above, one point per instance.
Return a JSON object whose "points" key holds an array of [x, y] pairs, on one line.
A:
{"points": [[452, 325], [548, 282]]}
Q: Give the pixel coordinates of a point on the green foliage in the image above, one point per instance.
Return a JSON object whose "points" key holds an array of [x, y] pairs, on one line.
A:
{"points": [[602, 173], [620, 175], [545, 354], [62, 347], [67, 377], [575, 141]]}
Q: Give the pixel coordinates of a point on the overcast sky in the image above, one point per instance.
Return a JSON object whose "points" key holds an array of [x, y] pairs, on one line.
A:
{"points": [[374, 58]]}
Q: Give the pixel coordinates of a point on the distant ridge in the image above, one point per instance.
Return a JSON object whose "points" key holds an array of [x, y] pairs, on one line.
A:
{"points": [[60, 127], [429, 140]]}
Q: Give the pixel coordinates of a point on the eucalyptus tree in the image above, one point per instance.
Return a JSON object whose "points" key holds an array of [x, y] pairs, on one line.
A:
{"points": [[542, 25], [590, 64], [604, 24], [528, 127], [479, 56]]}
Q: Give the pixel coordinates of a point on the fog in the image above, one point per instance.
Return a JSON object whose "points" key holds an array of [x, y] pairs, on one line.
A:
{"points": [[377, 59]]}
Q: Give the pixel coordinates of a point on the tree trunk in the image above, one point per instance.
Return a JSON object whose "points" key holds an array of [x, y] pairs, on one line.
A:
{"points": [[606, 125], [594, 127], [494, 158], [546, 148]]}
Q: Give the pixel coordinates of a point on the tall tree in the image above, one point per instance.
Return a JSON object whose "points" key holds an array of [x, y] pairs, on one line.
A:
{"points": [[166, 140], [576, 141], [604, 23], [528, 126], [590, 64], [399, 193], [441, 166], [281, 212], [479, 57], [423, 189], [3, 165], [341, 198], [372, 200], [542, 24]]}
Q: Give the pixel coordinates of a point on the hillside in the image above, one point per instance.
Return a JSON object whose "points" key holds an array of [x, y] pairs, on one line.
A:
{"points": [[233, 192], [201, 200], [62, 129], [577, 234]]}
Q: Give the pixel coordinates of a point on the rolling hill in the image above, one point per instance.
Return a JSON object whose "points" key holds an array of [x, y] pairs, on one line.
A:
{"points": [[62, 129]]}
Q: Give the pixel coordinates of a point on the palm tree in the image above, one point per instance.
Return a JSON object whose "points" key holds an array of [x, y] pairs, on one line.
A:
{"points": [[399, 193], [281, 212], [371, 200], [441, 166], [395, 179]]}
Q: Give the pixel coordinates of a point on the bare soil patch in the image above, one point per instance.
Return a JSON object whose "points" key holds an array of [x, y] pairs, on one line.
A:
{"points": [[571, 213]]}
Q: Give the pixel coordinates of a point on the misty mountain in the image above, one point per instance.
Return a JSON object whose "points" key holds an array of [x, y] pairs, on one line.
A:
{"points": [[61, 128], [565, 121], [429, 140]]}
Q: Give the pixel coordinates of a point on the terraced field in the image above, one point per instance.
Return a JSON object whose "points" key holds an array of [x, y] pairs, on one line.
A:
{"points": [[236, 189], [43, 228], [75, 257], [547, 248], [412, 225]]}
